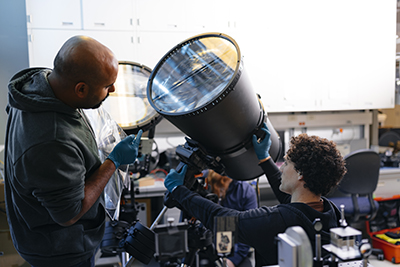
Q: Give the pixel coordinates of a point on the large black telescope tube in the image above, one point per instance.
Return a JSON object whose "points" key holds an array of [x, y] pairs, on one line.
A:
{"points": [[202, 88]]}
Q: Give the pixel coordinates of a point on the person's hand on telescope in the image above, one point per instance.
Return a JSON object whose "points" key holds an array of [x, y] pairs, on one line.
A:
{"points": [[175, 178], [126, 151], [262, 148]]}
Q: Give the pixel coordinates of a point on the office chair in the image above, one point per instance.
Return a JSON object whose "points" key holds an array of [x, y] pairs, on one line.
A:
{"points": [[356, 189]]}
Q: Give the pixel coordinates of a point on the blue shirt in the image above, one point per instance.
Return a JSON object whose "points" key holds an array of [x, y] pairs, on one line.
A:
{"points": [[240, 196]]}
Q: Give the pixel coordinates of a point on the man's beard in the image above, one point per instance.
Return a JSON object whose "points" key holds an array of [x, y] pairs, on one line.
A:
{"points": [[99, 104]]}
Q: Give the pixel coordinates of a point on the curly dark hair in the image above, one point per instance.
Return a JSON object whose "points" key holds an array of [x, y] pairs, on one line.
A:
{"points": [[318, 161]]}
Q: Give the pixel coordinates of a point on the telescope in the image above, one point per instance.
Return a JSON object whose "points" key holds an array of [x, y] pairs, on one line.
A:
{"points": [[201, 86]]}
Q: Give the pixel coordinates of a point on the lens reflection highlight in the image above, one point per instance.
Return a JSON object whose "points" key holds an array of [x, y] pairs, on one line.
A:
{"points": [[194, 75], [129, 105]]}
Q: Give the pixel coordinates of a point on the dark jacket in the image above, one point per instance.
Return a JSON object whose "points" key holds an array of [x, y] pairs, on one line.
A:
{"points": [[49, 152], [259, 227]]}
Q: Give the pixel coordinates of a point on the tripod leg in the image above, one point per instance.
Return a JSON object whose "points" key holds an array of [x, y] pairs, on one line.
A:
{"points": [[160, 215], [124, 258]]}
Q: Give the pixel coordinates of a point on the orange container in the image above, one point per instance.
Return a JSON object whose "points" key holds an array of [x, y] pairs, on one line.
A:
{"points": [[391, 251]]}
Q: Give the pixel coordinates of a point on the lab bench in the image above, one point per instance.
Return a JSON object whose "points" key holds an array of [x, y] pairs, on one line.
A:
{"points": [[388, 183]]}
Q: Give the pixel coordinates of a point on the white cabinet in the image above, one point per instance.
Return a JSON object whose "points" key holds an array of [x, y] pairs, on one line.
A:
{"points": [[161, 15], [54, 14], [108, 15], [208, 16], [52, 22], [302, 60], [44, 44], [298, 56], [152, 46], [121, 43]]}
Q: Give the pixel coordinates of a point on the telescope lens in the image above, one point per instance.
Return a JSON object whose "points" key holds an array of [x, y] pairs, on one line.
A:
{"points": [[129, 105], [194, 75]]}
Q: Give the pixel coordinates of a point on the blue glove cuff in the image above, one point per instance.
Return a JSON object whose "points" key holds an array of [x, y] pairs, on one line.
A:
{"points": [[175, 179]]}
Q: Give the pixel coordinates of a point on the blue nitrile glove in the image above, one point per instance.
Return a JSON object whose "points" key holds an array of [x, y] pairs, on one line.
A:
{"points": [[262, 148], [175, 178], [126, 151]]}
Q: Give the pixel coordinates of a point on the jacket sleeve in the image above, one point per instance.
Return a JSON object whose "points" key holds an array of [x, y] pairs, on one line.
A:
{"points": [[205, 211], [200, 207], [257, 227], [274, 179]]}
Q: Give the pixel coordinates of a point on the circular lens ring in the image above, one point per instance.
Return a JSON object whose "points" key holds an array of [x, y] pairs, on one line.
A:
{"points": [[151, 117], [217, 98]]}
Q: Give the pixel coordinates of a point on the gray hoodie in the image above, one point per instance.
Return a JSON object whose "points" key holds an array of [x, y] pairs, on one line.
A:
{"points": [[50, 151]]}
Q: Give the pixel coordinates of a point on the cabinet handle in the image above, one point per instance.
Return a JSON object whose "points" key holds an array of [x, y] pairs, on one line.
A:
{"points": [[67, 23], [100, 24]]}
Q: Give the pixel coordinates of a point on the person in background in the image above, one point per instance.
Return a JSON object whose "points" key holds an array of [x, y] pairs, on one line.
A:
{"points": [[313, 166], [238, 195], [54, 178]]}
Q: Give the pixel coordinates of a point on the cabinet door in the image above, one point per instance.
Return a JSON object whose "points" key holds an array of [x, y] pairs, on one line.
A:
{"points": [[120, 42], [160, 15], [208, 16], [54, 14], [44, 44], [152, 46], [360, 64], [108, 14], [302, 60]]}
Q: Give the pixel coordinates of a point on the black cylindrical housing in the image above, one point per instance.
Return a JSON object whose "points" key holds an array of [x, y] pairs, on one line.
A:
{"points": [[202, 88]]}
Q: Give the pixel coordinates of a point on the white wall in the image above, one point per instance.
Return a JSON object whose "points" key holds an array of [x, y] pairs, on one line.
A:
{"points": [[13, 51], [321, 55]]}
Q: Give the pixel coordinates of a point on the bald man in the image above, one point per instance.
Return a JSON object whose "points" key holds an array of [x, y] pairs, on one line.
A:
{"points": [[54, 178]]}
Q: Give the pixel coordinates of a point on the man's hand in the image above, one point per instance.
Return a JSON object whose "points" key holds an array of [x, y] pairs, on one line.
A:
{"points": [[126, 151], [262, 148], [175, 178]]}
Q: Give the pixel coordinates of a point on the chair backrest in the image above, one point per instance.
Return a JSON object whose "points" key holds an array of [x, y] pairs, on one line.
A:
{"points": [[362, 172]]}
